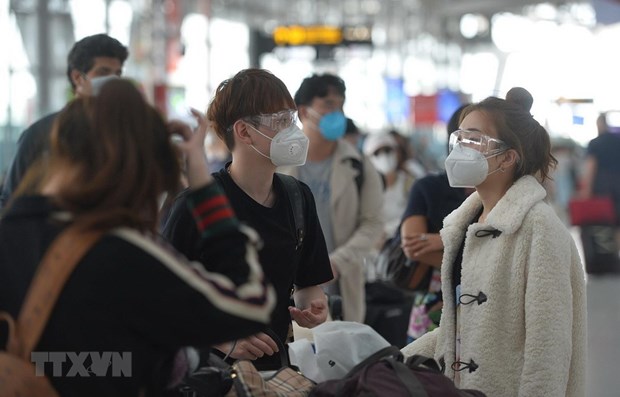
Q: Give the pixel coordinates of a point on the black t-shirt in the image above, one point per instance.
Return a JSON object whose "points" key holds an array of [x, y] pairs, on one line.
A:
{"points": [[33, 143], [283, 265], [433, 198], [605, 149]]}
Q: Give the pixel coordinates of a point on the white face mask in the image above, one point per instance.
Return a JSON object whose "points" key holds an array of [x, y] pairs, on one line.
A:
{"points": [[467, 167], [96, 83], [385, 163], [288, 147]]}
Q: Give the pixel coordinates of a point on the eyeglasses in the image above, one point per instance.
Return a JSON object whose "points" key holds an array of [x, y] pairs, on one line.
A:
{"points": [[276, 121], [478, 141]]}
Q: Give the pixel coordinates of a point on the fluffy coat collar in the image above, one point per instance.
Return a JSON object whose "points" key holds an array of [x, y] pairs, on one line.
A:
{"points": [[509, 212]]}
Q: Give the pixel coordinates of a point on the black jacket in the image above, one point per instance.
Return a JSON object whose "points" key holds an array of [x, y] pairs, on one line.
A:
{"points": [[33, 144], [133, 294]]}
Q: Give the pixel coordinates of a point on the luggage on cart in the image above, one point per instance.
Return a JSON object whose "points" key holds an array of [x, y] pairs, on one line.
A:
{"points": [[596, 217]]}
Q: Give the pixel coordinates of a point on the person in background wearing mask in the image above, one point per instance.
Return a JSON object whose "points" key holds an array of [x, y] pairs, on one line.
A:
{"points": [[89, 61], [345, 185], [407, 156], [514, 315], [381, 149], [430, 200], [255, 115]]}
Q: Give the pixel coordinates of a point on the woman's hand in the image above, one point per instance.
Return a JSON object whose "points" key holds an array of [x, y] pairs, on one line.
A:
{"points": [[191, 145], [250, 348], [418, 244]]}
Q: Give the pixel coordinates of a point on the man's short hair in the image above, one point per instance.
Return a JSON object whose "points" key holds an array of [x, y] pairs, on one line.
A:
{"points": [[83, 53], [318, 86], [250, 92]]}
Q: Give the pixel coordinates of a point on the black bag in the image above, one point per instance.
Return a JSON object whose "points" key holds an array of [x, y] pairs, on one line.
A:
{"points": [[384, 374], [394, 267], [213, 379], [600, 249], [387, 311]]}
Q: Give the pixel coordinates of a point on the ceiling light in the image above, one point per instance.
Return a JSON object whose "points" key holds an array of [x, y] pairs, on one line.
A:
{"points": [[473, 25]]}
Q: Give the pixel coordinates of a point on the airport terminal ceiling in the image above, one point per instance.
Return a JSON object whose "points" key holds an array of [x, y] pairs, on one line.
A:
{"points": [[315, 10], [256, 13], [431, 14], [401, 19], [417, 46]]}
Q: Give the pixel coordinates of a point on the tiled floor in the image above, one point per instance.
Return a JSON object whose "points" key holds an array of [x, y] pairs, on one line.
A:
{"points": [[603, 373], [603, 362]]}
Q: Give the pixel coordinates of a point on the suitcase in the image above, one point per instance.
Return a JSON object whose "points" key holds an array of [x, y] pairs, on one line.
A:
{"points": [[600, 249]]}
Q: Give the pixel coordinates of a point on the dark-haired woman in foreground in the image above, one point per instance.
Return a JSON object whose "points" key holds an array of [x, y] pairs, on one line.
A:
{"points": [[111, 159], [514, 316]]}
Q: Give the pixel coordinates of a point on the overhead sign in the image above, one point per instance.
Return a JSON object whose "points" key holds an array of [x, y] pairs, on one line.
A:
{"points": [[298, 35], [307, 35]]}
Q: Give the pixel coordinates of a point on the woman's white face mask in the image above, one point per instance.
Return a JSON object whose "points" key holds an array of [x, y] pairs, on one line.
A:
{"points": [[467, 167], [384, 163]]}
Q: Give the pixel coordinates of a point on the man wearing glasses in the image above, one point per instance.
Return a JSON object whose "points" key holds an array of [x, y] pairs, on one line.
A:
{"points": [[255, 115]]}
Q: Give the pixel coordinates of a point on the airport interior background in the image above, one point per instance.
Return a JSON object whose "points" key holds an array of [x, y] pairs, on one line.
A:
{"points": [[407, 65]]}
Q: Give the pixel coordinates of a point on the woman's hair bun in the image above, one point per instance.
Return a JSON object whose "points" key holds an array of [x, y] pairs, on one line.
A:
{"points": [[521, 97]]}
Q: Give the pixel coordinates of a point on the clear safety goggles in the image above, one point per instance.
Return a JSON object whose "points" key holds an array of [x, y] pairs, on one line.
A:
{"points": [[478, 141], [276, 121]]}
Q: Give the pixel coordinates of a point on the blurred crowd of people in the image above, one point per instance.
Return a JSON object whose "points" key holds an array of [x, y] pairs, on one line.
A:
{"points": [[287, 210]]}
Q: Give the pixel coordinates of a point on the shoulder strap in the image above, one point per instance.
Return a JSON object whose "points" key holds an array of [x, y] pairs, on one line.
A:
{"points": [[389, 351], [219, 175], [293, 191], [56, 266], [359, 166], [285, 360], [408, 379]]}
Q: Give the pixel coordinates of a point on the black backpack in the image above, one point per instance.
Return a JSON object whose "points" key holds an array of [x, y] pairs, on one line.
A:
{"points": [[296, 198], [385, 374]]}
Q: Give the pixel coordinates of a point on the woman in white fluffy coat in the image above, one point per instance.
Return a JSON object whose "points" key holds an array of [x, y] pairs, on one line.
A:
{"points": [[518, 324]]}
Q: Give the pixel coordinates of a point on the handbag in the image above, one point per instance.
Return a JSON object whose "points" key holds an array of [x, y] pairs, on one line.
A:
{"points": [[285, 382], [394, 267], [242, 379], [597, 210]]}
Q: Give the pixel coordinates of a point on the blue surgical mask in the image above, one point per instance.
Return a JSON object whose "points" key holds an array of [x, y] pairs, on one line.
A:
{"points": [[332, 125]]}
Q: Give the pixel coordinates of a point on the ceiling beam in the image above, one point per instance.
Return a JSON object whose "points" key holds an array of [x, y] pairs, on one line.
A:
{"points": [[452, 8]]}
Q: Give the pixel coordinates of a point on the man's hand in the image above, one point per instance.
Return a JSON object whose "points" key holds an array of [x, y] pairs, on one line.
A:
{"points": [[250, 348], [311, 317]]}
